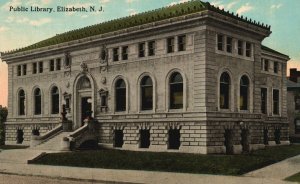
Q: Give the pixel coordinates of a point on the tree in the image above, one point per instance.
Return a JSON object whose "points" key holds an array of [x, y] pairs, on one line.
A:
{"points": [[3, 116]]}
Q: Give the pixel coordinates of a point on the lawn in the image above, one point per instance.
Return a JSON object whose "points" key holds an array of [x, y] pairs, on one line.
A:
{"points": [[172, 162], [7, 147], [294, 178]]}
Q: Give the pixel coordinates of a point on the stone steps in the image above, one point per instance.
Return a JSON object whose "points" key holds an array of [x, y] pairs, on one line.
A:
{"points": [[53, 144]]}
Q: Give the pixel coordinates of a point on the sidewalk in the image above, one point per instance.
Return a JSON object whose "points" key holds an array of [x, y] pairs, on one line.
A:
{"points": [[279, 170], [128, 176]]}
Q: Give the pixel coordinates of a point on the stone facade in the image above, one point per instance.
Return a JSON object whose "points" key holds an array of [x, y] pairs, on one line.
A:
{"points": [[201, 124]]}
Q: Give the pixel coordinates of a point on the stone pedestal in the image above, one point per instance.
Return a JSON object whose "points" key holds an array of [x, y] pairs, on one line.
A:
{"points": [[67, 126]]}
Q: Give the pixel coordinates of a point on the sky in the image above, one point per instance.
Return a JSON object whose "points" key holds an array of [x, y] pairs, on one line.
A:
{"points": [[19, 29]]}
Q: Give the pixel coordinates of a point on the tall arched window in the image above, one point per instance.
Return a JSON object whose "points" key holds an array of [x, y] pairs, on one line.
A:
{"points": [[176, 91], [147, 93], [120, 95], [54, 100], [224, 90], [21, 102], [244, 93], [37, 102]]}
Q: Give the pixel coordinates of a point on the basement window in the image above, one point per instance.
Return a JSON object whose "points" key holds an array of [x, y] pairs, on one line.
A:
{"points": [[174, 138], [118, 138], [145, 138]]}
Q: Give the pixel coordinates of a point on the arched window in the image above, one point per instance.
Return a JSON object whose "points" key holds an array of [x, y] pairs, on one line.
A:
{"points": [[37, 102], [244, 93], [54, 100], [147, 93], [224, 90], [21, 102], [120, 95], [176, 91]]}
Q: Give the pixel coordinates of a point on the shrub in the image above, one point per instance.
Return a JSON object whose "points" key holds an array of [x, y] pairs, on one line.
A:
{"points": [[3, 115]]}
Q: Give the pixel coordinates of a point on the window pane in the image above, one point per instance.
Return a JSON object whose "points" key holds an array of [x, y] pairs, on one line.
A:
{"points": [[229, 44], [170, 45], [120, 95], [224, 90], [182, 43], [38, 101], [151, 47], [244, 93], [22, 102], [220, 42], [55, 101], [176, 91], [264, 100], [275, 101]]}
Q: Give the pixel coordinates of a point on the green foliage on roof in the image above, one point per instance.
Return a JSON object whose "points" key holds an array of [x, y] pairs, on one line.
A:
{"points": [[122, 23], [131, 21]]}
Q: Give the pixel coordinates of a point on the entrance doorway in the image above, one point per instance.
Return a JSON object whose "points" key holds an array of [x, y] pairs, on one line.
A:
{"points": [[86, 108]]}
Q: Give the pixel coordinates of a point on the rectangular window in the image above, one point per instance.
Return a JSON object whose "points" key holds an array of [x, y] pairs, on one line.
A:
{"points": [[19, 70], [248, 49], [266, 65], [264, 98], [240, 47], [24, 69], [34, 68], [170, 45], [182, 43], [141, 49], [151, 48], [220, 42], [275, 67], [229, 44], [41, 67], [116, 54], [275, 101], [58, 64], [125, 53], [51, 65]]}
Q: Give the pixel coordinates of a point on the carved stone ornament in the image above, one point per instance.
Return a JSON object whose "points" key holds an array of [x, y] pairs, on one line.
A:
{"points": [[103, 80], [103, 55], [84, 67]]}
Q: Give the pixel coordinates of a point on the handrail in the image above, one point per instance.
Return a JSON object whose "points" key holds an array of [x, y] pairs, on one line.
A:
{"points": [[79, 131], [49, 134]]}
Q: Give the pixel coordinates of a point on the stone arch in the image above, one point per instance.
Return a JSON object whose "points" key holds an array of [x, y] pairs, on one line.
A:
{"points": [[79, 94]]}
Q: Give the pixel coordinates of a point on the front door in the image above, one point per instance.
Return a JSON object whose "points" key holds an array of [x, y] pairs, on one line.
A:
{"points": [[86, 108]]}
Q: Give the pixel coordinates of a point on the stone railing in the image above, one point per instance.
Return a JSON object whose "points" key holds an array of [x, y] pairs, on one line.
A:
{"points": [[76, 138], [38, 139]]}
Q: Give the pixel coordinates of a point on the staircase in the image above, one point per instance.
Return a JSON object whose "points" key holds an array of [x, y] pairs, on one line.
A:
{"points": [[60, 139], [54, 143]]}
